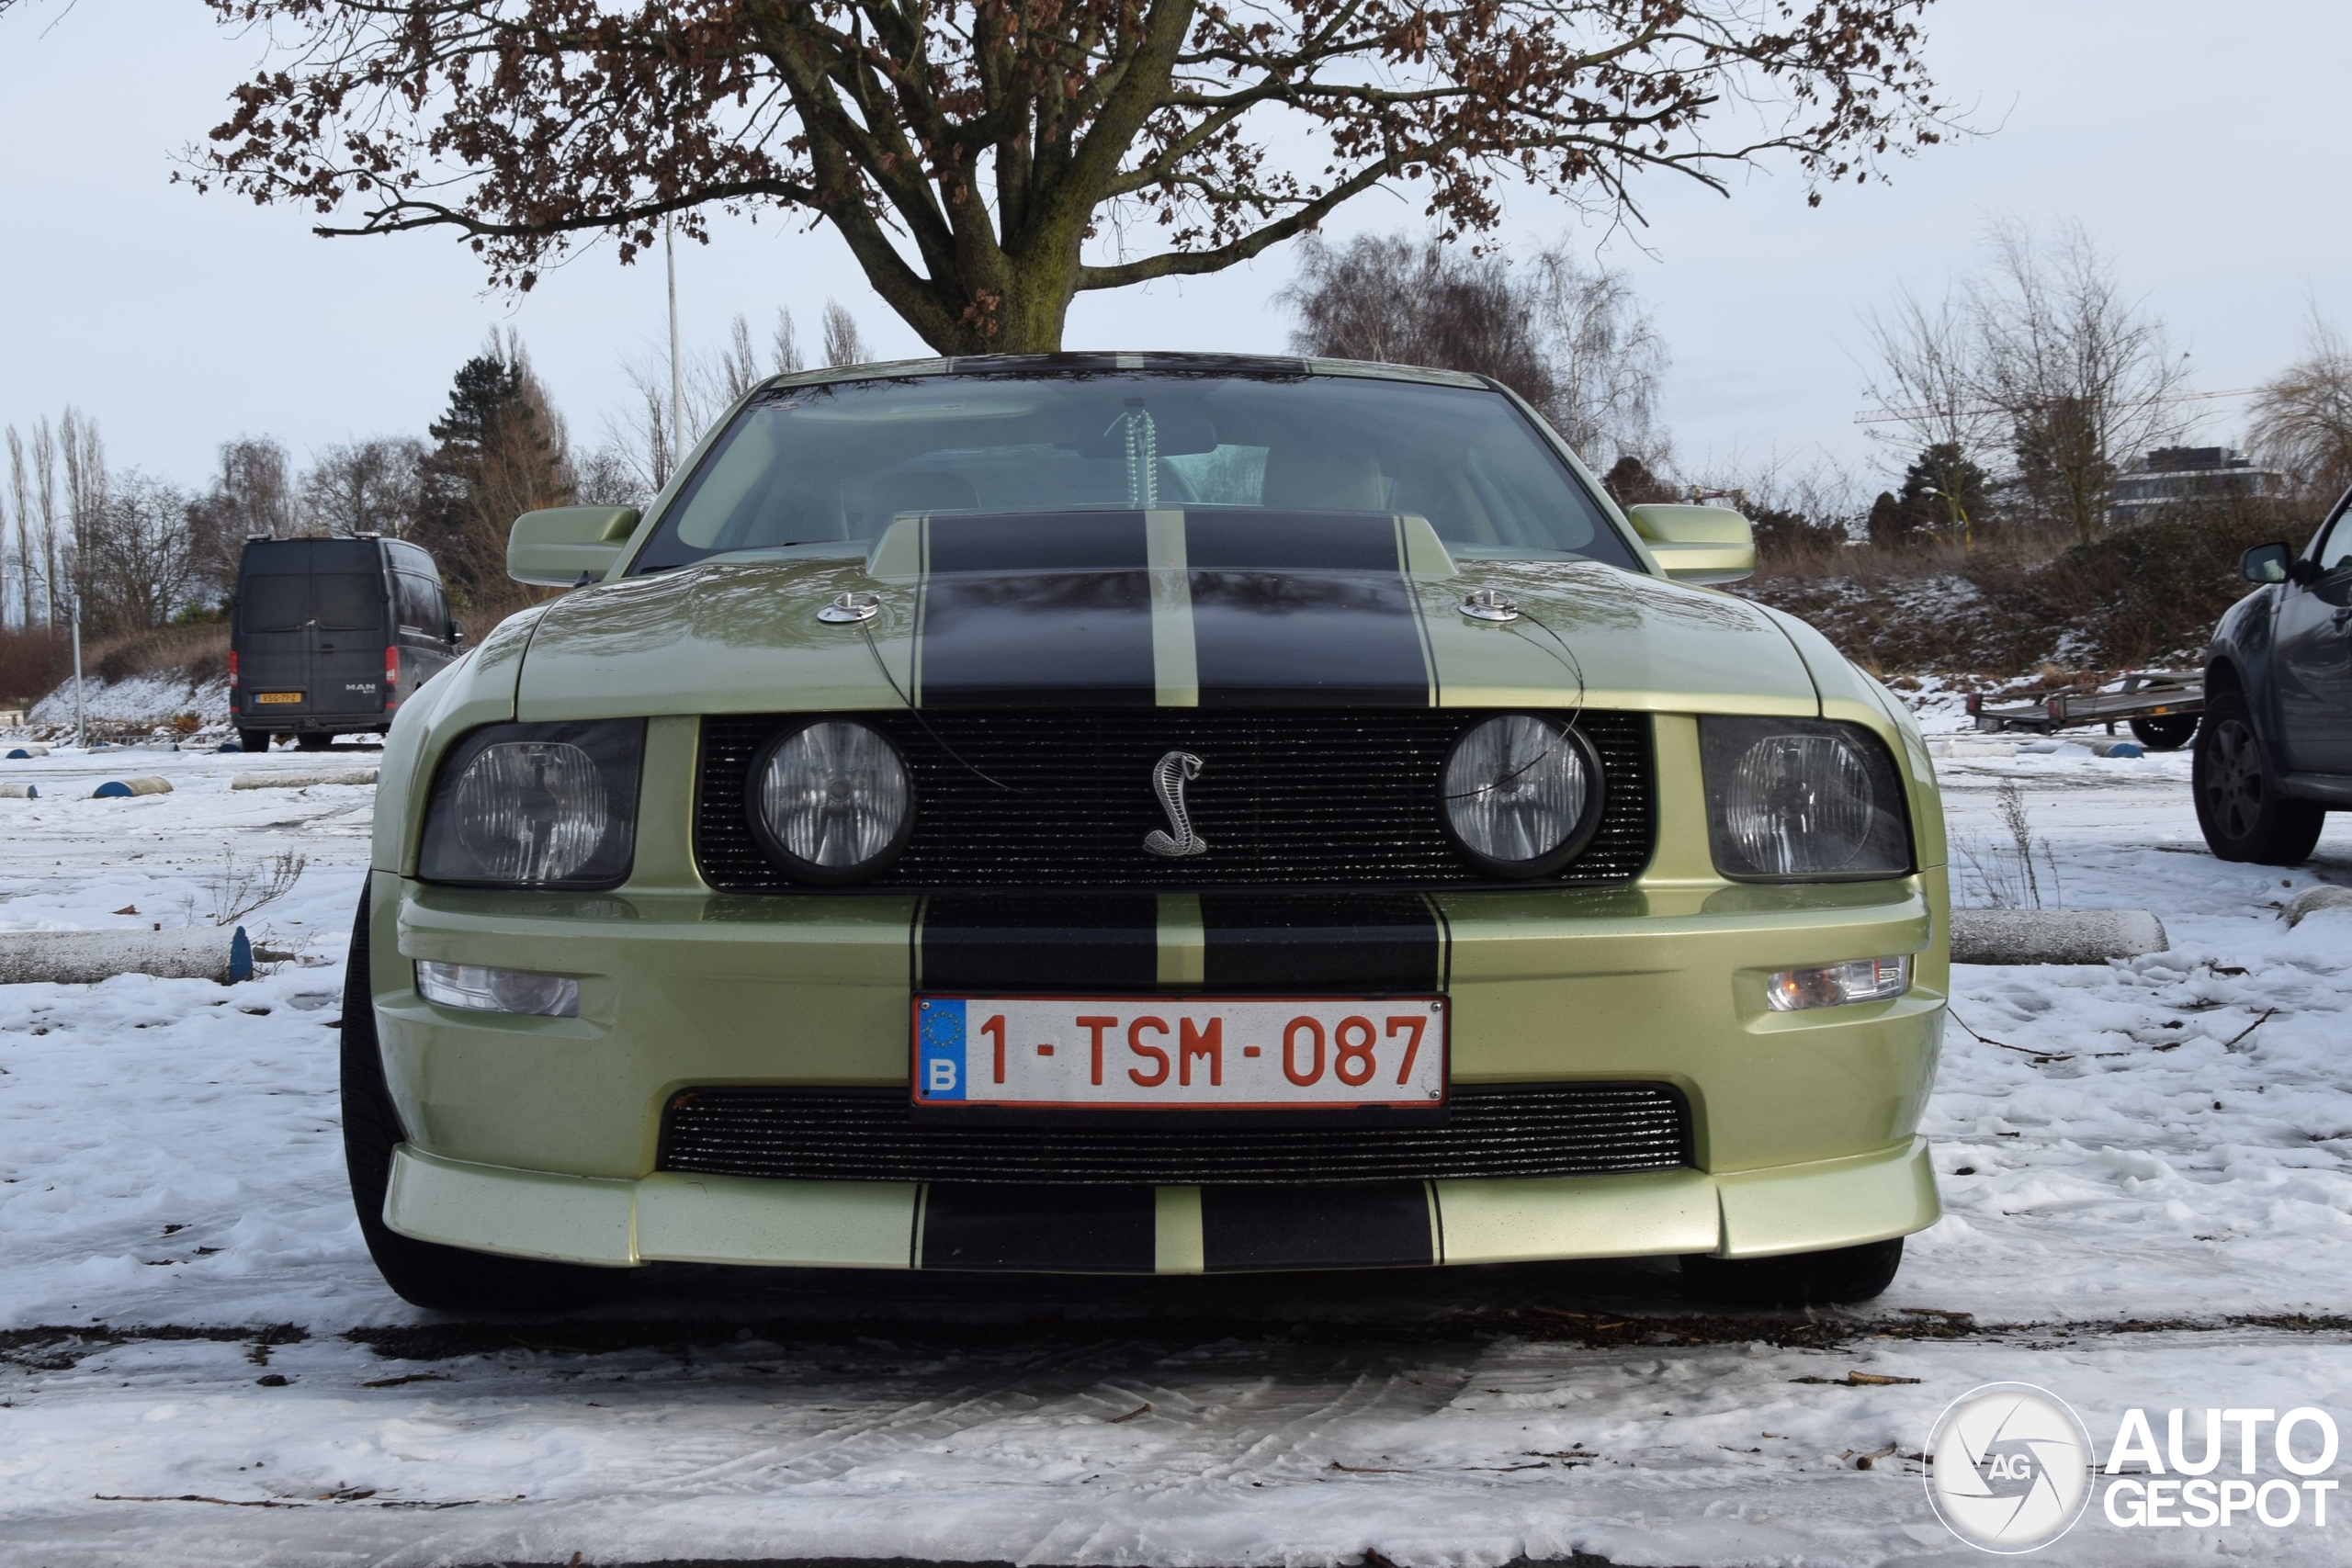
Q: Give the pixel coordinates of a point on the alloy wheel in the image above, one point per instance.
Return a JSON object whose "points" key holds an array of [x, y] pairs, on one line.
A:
{"points": [[2233, 782]]}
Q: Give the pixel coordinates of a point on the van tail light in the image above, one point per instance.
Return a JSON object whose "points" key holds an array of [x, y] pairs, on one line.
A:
{"points": [[233, 669], [391, 666]]}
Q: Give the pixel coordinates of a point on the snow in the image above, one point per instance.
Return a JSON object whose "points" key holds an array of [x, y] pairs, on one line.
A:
{"points": [[145, 701], [2147, 1166]]}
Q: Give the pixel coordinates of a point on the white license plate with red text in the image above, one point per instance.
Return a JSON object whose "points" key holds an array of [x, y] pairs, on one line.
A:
{"points": [[1181, 1053]]}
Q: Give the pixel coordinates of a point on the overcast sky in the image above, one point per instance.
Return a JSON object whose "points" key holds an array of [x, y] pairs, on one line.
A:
{"points": [[2200, 144]]}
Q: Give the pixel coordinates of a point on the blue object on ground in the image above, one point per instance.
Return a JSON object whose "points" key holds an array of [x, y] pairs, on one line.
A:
{"points": [[241, 957], [113, 789]]}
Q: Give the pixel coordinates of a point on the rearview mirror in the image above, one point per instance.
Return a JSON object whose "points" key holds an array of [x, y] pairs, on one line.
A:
{"points": [[1697, 544], [551, 548], [2266, 563]]}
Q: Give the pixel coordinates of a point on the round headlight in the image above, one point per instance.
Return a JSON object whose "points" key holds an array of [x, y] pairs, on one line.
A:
{"points": [[1522, 794], [531, 811], [1800, 804], [832, 802]]}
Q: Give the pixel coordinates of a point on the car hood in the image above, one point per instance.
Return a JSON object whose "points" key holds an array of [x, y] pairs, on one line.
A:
{"points": [[1165, 609]]}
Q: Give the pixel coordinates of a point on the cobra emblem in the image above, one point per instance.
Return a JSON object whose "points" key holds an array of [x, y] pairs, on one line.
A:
{"points": [[1168, 779]]}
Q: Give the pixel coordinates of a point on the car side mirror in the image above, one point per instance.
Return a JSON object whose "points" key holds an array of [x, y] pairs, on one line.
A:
{"points": [[553, 548], [1697, 544], [2266, 563], [453, 633]]}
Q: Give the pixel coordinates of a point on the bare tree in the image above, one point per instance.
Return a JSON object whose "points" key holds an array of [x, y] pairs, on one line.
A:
{"points": [[2085, 379], [45, 492], [2301, 419], [1608, 362], [1574, 342], [711, 382], [21, 497], [84, 456], [976, 157], [366, 487], [843, 345], [1928, 398], [784, 349], [138, 568]]}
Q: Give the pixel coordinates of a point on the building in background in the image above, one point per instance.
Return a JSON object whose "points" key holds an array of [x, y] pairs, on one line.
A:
{"points": [[2171, 476]]}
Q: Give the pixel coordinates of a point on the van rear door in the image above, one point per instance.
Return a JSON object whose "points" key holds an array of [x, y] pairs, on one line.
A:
{"points": [[272, 638], [350, 621]]}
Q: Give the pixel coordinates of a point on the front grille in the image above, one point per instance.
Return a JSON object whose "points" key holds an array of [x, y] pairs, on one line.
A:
{"points": [[847, 1134], [1288, 799]]}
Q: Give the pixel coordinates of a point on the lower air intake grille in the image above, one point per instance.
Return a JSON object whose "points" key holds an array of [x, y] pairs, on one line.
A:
{"points": [[1293, 797], [839, 1134]]}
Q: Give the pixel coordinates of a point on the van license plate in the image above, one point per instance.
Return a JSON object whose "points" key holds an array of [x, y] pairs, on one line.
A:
{"points": [[1181, 1053], [278, 697]]}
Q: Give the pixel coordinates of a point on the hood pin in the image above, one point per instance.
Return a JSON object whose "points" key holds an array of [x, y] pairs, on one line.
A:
{"points": [[1489, 605], [850, 609]]}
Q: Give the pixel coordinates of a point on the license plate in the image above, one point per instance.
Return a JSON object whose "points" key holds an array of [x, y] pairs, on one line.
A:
{"points": [[1180, 1052], [278, 697]]}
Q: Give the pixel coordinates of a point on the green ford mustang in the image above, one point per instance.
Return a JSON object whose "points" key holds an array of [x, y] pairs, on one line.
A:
{"points": [[1143, 813]]}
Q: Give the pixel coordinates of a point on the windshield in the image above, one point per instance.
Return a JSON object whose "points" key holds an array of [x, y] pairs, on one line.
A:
{"points": [[829, 465]]}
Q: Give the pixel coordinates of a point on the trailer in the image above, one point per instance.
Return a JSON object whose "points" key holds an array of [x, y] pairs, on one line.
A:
{"points": [[2161, 706]]}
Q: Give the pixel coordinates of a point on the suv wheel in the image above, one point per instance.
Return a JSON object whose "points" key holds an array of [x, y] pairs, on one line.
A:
{"points": [[426, 1273], [2242, 818], [1801, 1279], [309, 742]]}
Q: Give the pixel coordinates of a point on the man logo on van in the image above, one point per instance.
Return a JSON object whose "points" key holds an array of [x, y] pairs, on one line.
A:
{"points": [[365, 688]]}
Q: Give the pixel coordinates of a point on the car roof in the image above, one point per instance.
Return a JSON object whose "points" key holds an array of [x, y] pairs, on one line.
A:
{"points": [[1091, 361]]}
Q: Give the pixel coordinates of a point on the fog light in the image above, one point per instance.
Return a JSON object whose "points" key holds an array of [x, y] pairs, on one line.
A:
{"points": [[1833, 984], [484, 989]]}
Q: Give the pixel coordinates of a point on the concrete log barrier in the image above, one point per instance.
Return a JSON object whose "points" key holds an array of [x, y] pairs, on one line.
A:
{"points": [[24, 750], [81, 958], [303, 780], [122, 789], [19, 792], [2053, 936], [2311, 900]]}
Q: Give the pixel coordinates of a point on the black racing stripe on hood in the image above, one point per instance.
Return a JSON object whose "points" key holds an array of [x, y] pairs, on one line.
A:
{"points": [[1001, 943], [1314, 942], [1028, 610], [1299, 608]]}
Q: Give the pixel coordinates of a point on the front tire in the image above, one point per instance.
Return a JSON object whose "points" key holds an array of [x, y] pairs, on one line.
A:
{"points": [[2242, 818], [1802, 1278], [425, 1273]]}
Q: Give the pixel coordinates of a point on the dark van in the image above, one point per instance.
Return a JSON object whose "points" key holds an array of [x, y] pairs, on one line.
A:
{"points": [[331, 635]]}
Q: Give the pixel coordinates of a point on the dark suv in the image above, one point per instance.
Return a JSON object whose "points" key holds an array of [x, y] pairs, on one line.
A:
{"points": [[331, 634], [2274, 754]]}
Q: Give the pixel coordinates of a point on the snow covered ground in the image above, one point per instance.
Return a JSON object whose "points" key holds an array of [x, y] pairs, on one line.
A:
{"points": [[2148, 1169]]}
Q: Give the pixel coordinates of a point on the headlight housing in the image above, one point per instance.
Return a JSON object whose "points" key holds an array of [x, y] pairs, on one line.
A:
{"points": [[536, 805], [1802, 800], [1520, 794], [832, 802]]}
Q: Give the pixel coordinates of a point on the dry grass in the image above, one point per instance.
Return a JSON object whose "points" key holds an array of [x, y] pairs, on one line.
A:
{"points": [[2133, 597]]}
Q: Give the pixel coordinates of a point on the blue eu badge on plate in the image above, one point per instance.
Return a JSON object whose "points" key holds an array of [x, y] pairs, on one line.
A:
{"points": [[939, 1057]]}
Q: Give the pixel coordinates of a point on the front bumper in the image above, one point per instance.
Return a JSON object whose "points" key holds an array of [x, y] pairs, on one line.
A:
{"points": [[540, 1137], [670, 1217]]}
